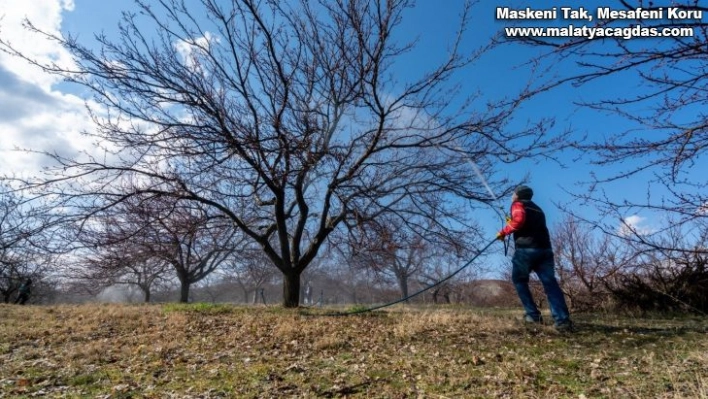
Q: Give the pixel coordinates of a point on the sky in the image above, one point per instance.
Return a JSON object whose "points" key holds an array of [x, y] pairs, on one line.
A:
{"points": [[39, 112]]}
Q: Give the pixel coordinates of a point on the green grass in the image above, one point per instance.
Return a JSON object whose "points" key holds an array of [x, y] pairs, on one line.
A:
{"points": [[210, 351], [198, 307]]}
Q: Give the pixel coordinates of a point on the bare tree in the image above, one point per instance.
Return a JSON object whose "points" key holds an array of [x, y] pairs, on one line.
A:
{"points": [[117, 249], [286, 117], [587, 261], [348, 280], [399, 254], [250, 268], [21, 243], [453, 264], [667, 137], [137, 241], [193, 243], [668, 277], [394, 252], [440, 267], [124, 263]]}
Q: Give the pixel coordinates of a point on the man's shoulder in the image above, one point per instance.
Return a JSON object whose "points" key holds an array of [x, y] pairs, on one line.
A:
{"points": [[531, 205]]}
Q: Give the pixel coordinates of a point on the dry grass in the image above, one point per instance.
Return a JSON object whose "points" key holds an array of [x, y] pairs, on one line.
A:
{"points": [[203, 351]]}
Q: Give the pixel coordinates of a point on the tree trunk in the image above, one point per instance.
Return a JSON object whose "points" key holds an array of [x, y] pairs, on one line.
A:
{"points": [[146, 292], [184, 292], [435, 294], [291, 289], [403, 284]]}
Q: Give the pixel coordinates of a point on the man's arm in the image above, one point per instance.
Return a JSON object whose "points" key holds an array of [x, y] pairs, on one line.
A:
{"points": [[518, 218]]}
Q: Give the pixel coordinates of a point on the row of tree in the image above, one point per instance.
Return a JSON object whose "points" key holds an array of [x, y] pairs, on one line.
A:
{"points": [[605, 271], [231, 129], [154, 247], [288, 133]]}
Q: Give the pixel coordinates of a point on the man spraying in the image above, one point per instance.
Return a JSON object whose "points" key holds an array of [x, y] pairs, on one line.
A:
{"points": [[533, 252]]}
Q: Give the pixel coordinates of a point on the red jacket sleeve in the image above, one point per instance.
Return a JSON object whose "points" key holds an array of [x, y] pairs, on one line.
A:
{"points": [[518, 217]]}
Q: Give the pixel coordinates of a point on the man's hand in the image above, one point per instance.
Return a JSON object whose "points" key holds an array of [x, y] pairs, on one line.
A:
{"points": [[500, 236]]}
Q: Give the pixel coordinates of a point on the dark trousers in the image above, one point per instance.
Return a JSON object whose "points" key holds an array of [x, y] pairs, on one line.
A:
{"points": [[540, 261]]}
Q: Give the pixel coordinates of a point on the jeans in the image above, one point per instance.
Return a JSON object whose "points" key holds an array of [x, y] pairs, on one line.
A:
{"points": [[540, 261]]}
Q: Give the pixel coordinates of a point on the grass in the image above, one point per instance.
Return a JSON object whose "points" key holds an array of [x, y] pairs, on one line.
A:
{"points": [[223, 351], [199, 307]]}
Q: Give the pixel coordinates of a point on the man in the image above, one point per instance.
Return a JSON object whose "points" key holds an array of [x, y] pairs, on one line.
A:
{"points": [[24, 292], [533, 253]]}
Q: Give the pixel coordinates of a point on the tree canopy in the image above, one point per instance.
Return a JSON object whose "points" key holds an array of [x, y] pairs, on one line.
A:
{"points": [[287, 118]]}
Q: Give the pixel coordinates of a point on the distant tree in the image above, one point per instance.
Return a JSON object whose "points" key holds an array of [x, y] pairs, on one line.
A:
{"points": [[665, 279], [393, 252], [214, 288], [586, 261], [439, 268], [140, 240], [22, 243], [193, 243], [250, 268], [349, 280], [401, 255], [124, 264], [116, 249], [445, 258], [291, 119]]}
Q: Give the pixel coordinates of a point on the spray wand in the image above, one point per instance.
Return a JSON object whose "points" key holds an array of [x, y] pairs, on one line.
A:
{"points": [[499, 210]]}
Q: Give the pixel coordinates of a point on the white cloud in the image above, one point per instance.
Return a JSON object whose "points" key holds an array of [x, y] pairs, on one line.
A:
{"points": [[191, 51], [634, 224], [45, 15], [33, 114], [702, 210]]}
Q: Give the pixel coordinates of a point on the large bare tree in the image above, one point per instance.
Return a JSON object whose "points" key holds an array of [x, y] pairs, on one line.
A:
{"points": [[288, 118]]}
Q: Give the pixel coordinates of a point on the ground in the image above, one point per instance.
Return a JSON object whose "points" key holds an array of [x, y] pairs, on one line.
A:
{"points": [[214, 351]]}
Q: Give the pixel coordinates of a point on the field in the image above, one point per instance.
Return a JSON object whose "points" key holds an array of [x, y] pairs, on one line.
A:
{"points": [[223, 351]]}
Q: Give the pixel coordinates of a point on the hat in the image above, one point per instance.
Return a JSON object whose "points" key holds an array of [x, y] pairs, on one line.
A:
{"points": [[523, 192]]}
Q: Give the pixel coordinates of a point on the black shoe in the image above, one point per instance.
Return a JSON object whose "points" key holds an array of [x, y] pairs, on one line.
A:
{"points": [[565, 327]]}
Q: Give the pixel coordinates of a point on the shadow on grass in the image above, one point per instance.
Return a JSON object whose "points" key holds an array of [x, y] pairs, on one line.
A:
{"points": [[629, 334], [345, 390], [599, 328]]}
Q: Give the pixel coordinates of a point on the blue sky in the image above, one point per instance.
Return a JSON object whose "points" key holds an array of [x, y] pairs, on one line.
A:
{"points": [[37, 111]]}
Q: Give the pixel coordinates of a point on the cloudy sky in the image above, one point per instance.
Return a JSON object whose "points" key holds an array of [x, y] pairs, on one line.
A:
{"points": [[38, 112], [34, 114]]}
